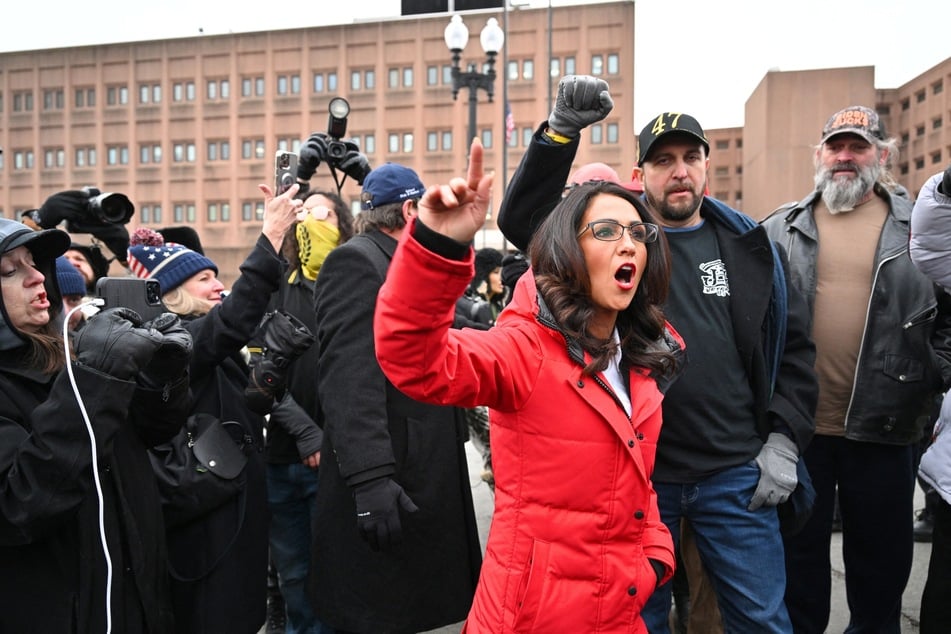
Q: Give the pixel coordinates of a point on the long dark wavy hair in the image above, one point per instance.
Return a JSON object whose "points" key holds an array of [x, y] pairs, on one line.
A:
{"points": [[563, 280]]}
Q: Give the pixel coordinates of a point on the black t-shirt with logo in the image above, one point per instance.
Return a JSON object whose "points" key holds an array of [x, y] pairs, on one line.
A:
{"points": [[708, 412]]}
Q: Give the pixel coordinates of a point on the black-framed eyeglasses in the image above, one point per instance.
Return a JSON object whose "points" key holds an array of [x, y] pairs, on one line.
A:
{"points": [[612, 230]]}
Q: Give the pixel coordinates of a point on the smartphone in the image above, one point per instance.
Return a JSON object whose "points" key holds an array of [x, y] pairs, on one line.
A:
{"points": [[285, 171], [142, 296]]}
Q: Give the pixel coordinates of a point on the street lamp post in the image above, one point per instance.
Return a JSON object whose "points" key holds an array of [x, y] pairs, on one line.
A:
{"points": [[491, 38]]}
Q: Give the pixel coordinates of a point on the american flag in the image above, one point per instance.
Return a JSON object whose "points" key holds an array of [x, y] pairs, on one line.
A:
{"points": [[509, 123]]}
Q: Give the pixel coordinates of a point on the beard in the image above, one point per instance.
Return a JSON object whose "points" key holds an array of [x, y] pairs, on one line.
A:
{"points": [[675, 212], [842, 193]]}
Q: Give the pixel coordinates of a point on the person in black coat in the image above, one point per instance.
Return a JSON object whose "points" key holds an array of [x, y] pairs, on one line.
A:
{"points": [[218, 552], [396, 546], [130, 392]]}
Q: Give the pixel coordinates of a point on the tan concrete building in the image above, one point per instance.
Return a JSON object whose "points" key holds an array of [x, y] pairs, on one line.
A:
{"points": [[188, 127]]}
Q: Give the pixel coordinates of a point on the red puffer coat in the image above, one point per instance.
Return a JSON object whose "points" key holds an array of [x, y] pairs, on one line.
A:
{"points": [[575, 514]]}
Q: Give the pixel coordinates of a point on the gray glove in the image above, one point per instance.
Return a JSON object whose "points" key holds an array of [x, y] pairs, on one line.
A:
{"points": [[582, 100], [777, 471]]}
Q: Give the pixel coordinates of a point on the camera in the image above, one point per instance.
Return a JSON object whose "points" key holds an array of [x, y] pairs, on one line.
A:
{"points": [[336, 127], [108, 208]]}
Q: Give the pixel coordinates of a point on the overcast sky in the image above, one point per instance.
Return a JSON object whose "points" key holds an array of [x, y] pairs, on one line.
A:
{"points": [[684, 49]]}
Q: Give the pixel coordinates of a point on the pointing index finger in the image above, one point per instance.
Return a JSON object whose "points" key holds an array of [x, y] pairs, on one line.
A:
{"points": [[476, 171]]}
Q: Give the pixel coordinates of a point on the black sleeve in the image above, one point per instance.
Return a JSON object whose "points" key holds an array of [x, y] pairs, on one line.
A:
{"points": [[535, 187]]}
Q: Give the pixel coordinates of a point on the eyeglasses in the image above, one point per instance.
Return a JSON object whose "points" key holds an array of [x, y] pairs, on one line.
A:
{"points": [[319, 212], [611, 230]]}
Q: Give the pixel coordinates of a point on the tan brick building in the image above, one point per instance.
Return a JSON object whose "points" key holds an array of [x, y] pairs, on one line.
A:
{"points": [[188, 127]]}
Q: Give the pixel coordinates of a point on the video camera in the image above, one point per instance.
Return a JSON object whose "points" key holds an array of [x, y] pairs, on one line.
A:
{"points": [[84, 210]]}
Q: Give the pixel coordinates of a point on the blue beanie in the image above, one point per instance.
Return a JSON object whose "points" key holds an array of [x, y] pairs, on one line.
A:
{"points": [[71, 281], [169, 263]]}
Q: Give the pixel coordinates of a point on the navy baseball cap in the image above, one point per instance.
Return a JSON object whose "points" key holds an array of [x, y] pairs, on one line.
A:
{"points": [[390, 183]]}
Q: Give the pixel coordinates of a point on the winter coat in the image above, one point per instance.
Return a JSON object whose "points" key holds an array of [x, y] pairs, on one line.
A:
{"points": [[576, 516], [52, 568], [371, 429], [905, 354], [218, 561], [930, 250]]}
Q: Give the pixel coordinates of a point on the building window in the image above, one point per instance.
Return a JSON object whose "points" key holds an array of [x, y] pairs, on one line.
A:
{"points": [[393, 78], [219, 150], [150, 93], [937, 88], [919, 163], [920, 130], [528, 69], [527, 136], [936, 157], [23, 160], [85, 157], [614, 64], [259, 87], [721, 171], [408, 77], [355, 80], [555, 69], [432, 141], [295, 84], [85, 97], [246, 86], [117, 95], [150, 153], [597, 65], [723, 144], [331, 82], [920, 96], [905, 138], [432, 75], [369, 144], [447, 140], [54, 157], [936, 124], [407, 142], [53, 99], [447, 74], [597, 134], [512, 71], [22, 101], [613, 133], [393, 143], [569, 65], [282, 88], [252, 148], [212, 212], [487, 138], [183, 153], [318, 82], [905, 104]]}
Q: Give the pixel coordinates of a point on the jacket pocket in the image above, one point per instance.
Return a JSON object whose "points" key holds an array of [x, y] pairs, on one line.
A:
{"points": [[903, 369], [923, 317], [531, 587]]}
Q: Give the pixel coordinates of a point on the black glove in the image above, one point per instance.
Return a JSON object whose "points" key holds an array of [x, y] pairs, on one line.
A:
{"points": [[513, 266], [582, 100], [291, 417], [114, 342], [67, 205], [354, 164], [285, 339], [115, 236], [311, 153], [378, 512], [170, 361], [945, 186]]}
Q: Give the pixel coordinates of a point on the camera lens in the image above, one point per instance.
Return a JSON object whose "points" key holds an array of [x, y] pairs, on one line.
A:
{"points": [[111, 208], [336, 150]]}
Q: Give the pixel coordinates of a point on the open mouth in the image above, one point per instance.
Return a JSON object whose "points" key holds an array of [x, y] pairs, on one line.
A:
{"points": [[625, 275]]}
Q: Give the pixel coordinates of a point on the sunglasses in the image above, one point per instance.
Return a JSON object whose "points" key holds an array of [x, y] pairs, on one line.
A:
{"points": [[319, 212]]}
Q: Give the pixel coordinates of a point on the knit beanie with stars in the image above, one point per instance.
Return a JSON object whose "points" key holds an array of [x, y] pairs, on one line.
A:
{"points": [[150, 257]]}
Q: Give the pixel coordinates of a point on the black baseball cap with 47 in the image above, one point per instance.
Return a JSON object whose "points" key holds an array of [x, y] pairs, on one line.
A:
{"points": [[668, 123]]}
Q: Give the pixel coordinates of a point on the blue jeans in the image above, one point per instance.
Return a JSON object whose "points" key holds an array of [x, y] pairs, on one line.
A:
{"points": [[741, 551], [292, 495], [876, 487]]}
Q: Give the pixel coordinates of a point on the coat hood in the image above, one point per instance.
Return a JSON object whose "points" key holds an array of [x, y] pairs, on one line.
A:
{"points": [[45, 246]]}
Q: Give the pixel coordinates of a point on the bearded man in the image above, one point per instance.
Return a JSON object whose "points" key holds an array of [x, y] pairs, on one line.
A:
{"points": [[883, 350]]}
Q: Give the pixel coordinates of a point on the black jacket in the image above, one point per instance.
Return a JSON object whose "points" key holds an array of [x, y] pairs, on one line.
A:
{"points": [[52, 567], [219, 560], [905, 358], [371, 429]]}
